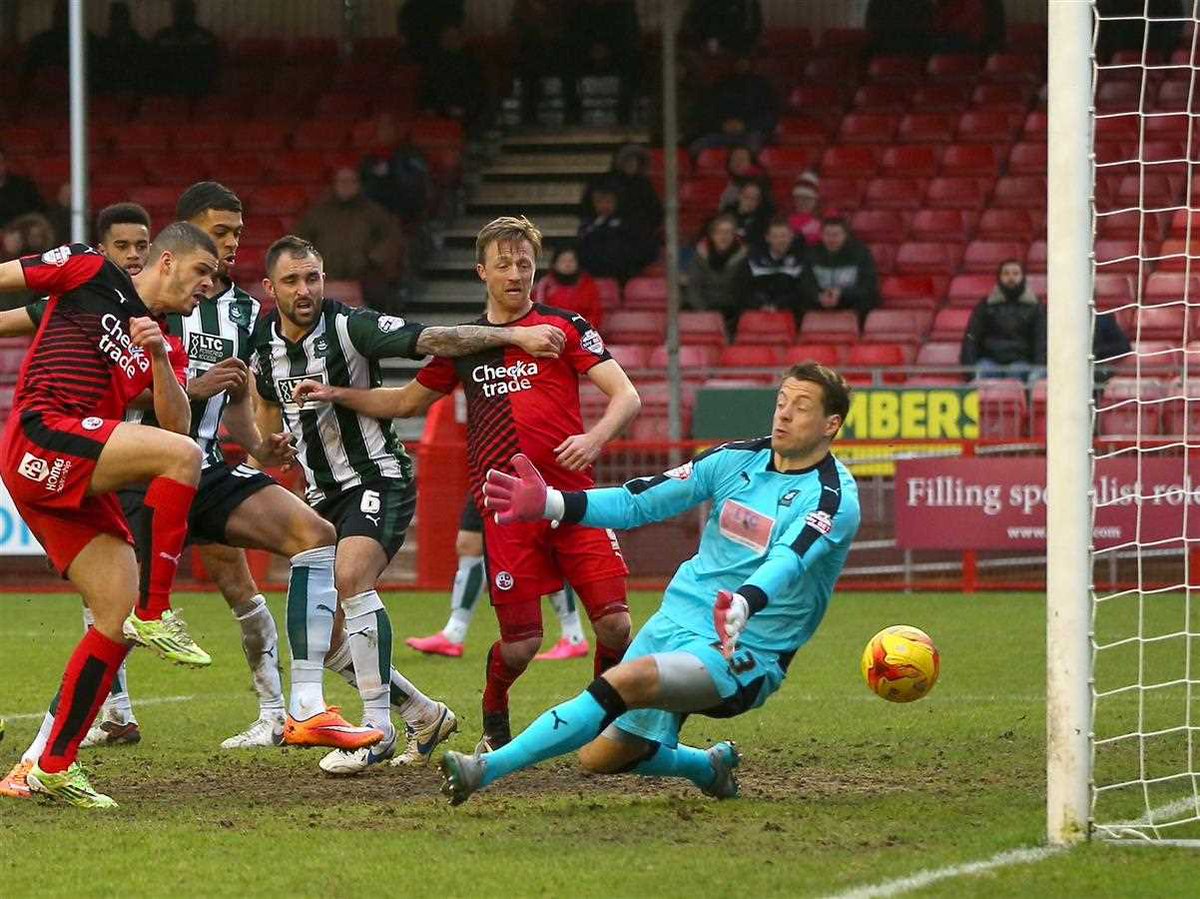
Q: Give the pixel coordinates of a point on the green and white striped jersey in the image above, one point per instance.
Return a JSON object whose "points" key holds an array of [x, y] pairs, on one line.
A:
{"points": [[217, 329], [338, 448]]}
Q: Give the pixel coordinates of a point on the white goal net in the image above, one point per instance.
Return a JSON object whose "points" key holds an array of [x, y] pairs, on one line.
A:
{"points": [[1145, 620]]}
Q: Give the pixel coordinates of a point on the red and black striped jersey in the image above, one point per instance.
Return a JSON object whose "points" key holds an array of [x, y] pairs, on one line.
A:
{"points": [[518, 403], [82, 361]]}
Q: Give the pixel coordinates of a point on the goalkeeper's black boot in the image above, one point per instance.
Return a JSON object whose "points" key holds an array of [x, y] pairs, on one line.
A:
{"points": [[496, 732]]}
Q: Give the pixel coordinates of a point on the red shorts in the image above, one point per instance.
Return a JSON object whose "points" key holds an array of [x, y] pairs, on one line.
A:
{"points": [[47, 461], [527, 561]]}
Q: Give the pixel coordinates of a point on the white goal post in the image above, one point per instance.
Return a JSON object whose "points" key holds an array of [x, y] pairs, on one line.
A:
{"points": [[1122, 688]]}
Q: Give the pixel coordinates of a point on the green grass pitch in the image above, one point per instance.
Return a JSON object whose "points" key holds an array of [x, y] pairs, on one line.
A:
{"points": [[840, 789]]}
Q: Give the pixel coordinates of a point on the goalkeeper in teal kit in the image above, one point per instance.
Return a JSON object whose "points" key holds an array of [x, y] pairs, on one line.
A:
{"points": [[784, 512]]}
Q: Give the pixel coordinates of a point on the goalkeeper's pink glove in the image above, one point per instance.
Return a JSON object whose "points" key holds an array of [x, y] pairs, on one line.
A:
{"points": [[730, 614], [522, 498]]}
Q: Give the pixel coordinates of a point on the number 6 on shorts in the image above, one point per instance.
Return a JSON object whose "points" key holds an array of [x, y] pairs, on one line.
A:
{"points": [[370, 504]]}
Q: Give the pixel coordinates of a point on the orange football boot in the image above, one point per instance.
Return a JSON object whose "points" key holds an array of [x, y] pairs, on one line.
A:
{"points": [[329, 728], [14, 784]]}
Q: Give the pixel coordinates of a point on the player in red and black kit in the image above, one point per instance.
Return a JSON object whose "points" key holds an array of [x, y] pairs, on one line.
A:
{"points": [[516, 403], [66, 450]]}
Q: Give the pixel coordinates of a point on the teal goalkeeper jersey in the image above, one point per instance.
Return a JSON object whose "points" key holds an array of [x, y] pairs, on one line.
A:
{"points": [[780, 539]]}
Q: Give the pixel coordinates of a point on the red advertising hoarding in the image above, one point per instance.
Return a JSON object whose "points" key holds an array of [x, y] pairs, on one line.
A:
{"points": [[1000, 502]]}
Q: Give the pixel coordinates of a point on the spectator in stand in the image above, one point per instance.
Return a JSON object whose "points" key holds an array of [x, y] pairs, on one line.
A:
{"points": [[968, 26], [778, 273], [900, 27], [420, 24], [603, 38], [843, 271], [124, 56], [451, 79], [1108, 342], [716, 276], [50, 49], [639, 202], [567, 286], [1006, 334], [359, 241], [25, 235], [18, 194], [723, 26], [742, 110], [741, 168], [396, 176], [805, 219], [187, 54], [58, 214], [609, 247], [751, 212], [539, 26]]}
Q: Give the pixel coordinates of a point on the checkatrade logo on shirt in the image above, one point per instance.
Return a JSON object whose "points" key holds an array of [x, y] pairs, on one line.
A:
{"points": [[498, 380]]}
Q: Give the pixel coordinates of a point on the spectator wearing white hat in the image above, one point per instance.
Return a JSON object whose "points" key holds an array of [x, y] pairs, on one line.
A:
{"points": [[805, 218]]}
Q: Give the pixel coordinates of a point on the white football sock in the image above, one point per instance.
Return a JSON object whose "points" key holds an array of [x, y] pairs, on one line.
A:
{"points": [[468, 584], [312, 602], [563, 603], [369, 636], [260, 644], [38, 746]]}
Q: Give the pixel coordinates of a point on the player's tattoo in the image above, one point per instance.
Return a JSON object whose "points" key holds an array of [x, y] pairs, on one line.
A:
{"points": [[461, 340]]}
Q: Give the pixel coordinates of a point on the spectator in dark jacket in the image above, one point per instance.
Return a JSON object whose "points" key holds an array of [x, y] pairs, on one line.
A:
{"points": [[125, 59], [751, 213], [451, 79], [396, 176], [566, 286], [742, 110], [421, 22], [18, 194], [716, 278], [741, 167], [186, 53], [608, 246], [636, 196], [723, 26], [777, 271], [1006, 334], [1108, 342], [843, 270]]}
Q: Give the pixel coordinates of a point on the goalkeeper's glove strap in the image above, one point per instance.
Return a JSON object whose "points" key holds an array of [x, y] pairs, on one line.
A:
{"points": [[755, 598], [574, 506]]}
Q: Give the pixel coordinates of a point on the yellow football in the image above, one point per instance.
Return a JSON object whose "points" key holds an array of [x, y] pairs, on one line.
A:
{"points": [[900, 663]]}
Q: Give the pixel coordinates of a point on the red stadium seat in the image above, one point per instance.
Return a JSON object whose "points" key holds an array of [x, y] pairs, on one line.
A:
{"points": [[884, 255], [119, 171], [1002, 408], [789, 161], [1001, 224], [942, 97], [1118, 96], [258, 136], [950, 324], [876, 225], [636, 326], [842, 193], [178, 169], [850, 40], [910, 291], [321, 134], [1171, 287], [903, 69], [436, 132], [1155, 323], [855, 161], [953, 66], [825, 353], [800, 130], [752, 356], [348, 292], [894, 193], [970, 159], [711, 161], [1183, 415], [702, 192], [1177, 255], [829, 326], [758, 326], [22, 139], [896, 325], [1036, 126], [941, 224], [1124, 410], [1113, 289], [631, 356], [1020, 192], [869, 128], [1009, 94], [956, 193], [1012, 67], [986, 255], [939, 352], [967, 290], [189, 137], [138, 137], [832, 69], [911, 161], [817, 99], [299, 167], [645, 293], [1117, 255], [928, 258], [989, 127], [881, 97], [934, 128], [1035, 259], [154, 197], [281, 200], [880, 355], [702, 328], [692, 357], [610, 293]]}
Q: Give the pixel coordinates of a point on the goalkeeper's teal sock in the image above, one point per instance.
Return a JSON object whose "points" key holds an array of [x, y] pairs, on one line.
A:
{"points": [[565, 728], [682, 761]]}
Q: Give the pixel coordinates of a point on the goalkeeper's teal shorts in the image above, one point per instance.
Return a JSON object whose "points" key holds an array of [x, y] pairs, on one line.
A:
{"points": [[743, 682]]}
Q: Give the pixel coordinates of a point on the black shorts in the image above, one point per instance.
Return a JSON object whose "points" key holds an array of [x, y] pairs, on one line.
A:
{"points": [[470, 520], [382, 510], [222, 489]]}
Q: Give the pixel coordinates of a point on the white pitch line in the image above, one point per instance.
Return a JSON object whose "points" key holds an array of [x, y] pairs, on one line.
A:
{"points": [[925, 878], [153, 700]]}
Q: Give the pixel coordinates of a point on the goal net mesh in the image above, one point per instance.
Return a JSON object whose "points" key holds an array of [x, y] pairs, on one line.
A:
{"points": [[1145, 629]]}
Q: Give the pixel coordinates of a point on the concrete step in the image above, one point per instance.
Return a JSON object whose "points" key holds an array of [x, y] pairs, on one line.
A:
{"points": [[552, 225], [524, 195], [543, 165], [574, 139]]}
